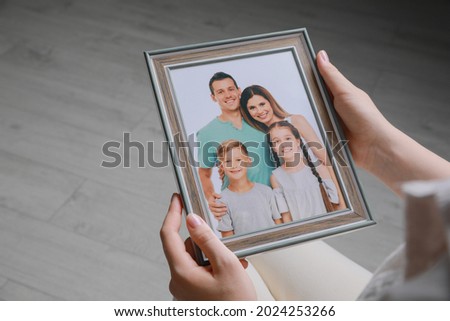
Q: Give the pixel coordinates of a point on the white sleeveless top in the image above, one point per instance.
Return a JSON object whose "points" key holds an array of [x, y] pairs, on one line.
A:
{"points": [[299, 193]]}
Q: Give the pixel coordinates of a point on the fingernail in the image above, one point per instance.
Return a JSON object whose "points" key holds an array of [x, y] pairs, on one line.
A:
{"points": [[193, 220], [324, 55]]}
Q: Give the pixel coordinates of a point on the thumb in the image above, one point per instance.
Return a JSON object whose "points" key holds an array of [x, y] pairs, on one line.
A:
{"points": [[202, 235], [335, 81]]}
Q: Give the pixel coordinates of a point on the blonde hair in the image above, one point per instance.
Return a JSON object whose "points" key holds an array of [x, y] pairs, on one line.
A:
{"points": [[228, 145]]}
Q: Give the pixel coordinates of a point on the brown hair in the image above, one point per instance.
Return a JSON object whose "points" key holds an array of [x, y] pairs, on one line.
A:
{"points": [[251, 91], [228, 145], [220, 76]]}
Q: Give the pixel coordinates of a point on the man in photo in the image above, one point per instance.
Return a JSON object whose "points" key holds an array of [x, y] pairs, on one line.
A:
{"points": [[229, 124]]}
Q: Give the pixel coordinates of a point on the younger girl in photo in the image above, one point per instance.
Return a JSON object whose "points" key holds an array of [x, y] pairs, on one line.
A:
{"points": [[250, 206], [296, 182]]}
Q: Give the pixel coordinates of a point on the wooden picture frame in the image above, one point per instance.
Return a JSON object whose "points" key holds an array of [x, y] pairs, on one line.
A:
{"points": [[284, 63]]}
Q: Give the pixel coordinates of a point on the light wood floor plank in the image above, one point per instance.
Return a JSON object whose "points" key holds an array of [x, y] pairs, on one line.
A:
{"points": [[32, 188], [418, 108], [79, 152], [62, 102], [14, 291], [73, 267], [117, 218], [3, 281]]}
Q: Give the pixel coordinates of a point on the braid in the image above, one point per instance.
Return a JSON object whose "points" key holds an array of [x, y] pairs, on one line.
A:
{"points": [[310, 163], [273, 156]]}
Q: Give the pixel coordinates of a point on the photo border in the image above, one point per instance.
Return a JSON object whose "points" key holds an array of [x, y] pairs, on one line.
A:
{"points": [[357, 215]]}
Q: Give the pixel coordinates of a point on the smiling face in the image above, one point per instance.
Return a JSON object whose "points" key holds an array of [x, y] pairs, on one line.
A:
{"points": [[226, 94], [284, 143], [260, 109], [235, 164]]}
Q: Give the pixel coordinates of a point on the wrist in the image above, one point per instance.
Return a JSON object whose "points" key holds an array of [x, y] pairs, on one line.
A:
{"points": [[383, 150]]}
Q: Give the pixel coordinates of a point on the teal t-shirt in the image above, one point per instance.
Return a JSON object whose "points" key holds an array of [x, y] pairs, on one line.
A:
{"points": [[217, 131]]}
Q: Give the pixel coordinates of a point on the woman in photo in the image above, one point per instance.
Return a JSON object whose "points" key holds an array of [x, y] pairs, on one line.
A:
{"points": [[297, 185], [260, 109]]}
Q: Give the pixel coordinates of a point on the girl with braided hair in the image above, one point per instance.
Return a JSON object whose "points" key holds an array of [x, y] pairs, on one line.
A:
{"points": [[297, 182]]}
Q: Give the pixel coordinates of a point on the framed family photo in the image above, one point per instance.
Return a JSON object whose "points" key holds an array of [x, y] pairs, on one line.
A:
{"points": [[255, 142]]}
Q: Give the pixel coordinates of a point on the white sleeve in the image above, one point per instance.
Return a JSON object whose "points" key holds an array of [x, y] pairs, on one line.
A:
{"points": [[273, 206], [280, 200], [226, 223], [331, 189]]}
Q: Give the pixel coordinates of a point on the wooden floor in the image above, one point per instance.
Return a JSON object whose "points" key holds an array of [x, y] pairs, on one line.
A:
{"points": [[73, 76]]}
